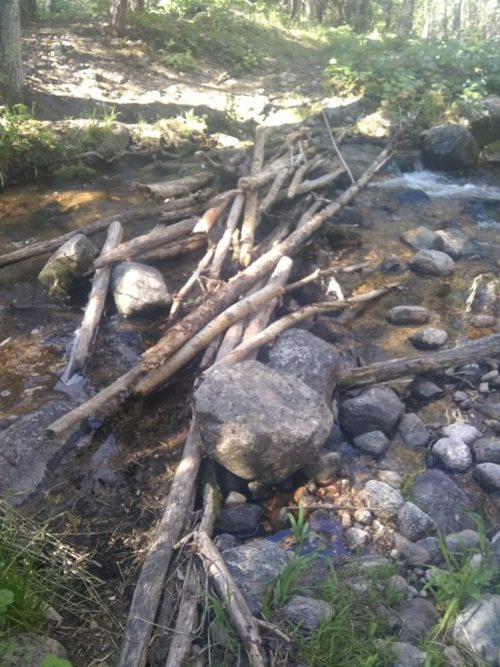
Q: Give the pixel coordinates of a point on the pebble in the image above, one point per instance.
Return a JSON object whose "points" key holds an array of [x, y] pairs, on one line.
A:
{"points": [[307, 612], [363, 516], [407, 315], [460, 397], [234, 499], [374, 443], [420, 238], [429, 339], [432, 262], [383, 500], [484, 388], [390, 477], [413, 431], [482, 321], [356, 538], [425, 390]]}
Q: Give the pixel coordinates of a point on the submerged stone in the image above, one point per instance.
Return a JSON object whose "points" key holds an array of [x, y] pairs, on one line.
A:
{"points": [[70, 262]]}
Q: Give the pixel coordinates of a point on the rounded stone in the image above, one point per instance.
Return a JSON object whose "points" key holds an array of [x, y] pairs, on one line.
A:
{"points": [[432, 262], [487, 450], [381, 499], [306, 612], [405, 315], [414, 523], [453, 454], [374, 443], [376, 409], [429, 339], [488, 475]]}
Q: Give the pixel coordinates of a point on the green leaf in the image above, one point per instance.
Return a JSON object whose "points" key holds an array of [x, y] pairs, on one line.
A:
{"points": [[52, 660], [6, 599]]}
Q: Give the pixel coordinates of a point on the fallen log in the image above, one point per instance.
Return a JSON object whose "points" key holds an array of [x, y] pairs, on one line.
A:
{"points": [[316, 163], [178, 188], [279, 181], [85, 335], [43, 247], [251, 214], [314, 184], [260, 178], [191, 281], [175, 249], [148, 589], [383, 371], [225, 242]]}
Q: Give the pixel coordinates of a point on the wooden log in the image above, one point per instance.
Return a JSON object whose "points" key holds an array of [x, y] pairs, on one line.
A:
{"points": [[44, 247], [85, 335], [210, 217], [276, 235], [108, 399], [317, 162], [279, 180], [383, 371], [184, 634], [251, 213], [178, 188], [148, 589], [141, 244], [234, 602], [314, 184], [225, 242], [175, 249], [260, 178], [231, 339], [191, 281]]}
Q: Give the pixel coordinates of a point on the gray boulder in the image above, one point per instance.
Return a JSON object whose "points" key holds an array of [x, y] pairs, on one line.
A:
{"points": [[70, 262], [26, 452], [449, 147], [407, 315], [307, 612], [258, 423], [307, 357], [414, 523], [139, 290], [463, 541], [376, 409], [460, 431], [476, 628], [383, 500], [254, 566], [242, 520], [453, 454], [418, 617], [407, 655], [413, 431], [420, 238], [487, 450], [488, 475], [325, 468], [432, 263], [374, 443], [483, 117], [414, 553], [429, 339], [438, 495], [452, 241]]}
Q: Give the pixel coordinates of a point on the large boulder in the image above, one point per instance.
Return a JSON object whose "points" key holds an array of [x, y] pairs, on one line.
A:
{"points": [[483, 118], [307, 357], [260, 424], [450, 147], [438, 495], [376, 409], [69, 262], [139, 290], [476, 628]]}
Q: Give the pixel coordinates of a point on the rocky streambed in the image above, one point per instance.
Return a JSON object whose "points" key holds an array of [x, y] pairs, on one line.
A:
{"points": [[373, 475]]}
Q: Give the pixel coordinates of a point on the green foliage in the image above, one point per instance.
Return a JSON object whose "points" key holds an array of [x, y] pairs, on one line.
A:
{"points": [[21, 136], [51, 660], [221, 631], [431, 75], [300, 528], [287, 583]]}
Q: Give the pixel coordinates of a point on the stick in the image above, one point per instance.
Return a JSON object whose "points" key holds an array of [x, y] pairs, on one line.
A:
{"points": [[85, 335], [251, 214], [259, 178], [382, 371], [188, 285], [179, 188], [175, 249], [314, 184], [231, 339], [234, 602], [225, 242], [334, 144], [183, 635], [275, 188], [316, 163], [43, 247], [149, 586], [210, 217], [141, 244]]}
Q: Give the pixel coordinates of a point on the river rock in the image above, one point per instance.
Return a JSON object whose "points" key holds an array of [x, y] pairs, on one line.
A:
{"points": [[476, 628], [438, 495], [429, 339], [432, 262], [483, 117], [70, 262], [254, 566], [259, 423], [30, 650], [374, 443], [414, 523], [449, 147], [242, 520], [139, 290], [413, 431], [418, 617], [463, 541], [488, 475], [407, 315], [307, 612], [452, 241], [461, 431], [453, 454], [487, 450], [325, 468], [420, 238], [381, 499], [356, 538], [413, 552], [307, 357], [376, 409], [425, 390], [26, 452], [407, 655]]}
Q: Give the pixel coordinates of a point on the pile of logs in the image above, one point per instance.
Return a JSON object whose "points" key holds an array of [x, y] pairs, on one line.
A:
{"points": [[229, 324]]}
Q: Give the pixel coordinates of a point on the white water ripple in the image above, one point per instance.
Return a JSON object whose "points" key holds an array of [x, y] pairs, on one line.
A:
{"points": [[439, 185]]}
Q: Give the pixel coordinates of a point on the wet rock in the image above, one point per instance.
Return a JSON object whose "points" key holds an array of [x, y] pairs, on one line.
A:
{"points": [[307, 357], [413, 553], [438, 495], [356, 538], [432, 263], [488, 475], [363, 516], [331, 331], [29, 650], [376, 409], [418, 617], [483, 321], [487, 450], [431, 544], [476, 628], [413, 431], [70, 262], [381, 499], [425, 390], [258, 423], [234, 499], [460, 396], [407, 655], [254, 566], [390, 477], [414, 523], [461, 431], [307, 612], [242, 520], [452, 241], [392, 264], [464, 540], [429, 339], [420, 238], [224, 542], [453, 454], [449, 147], [325, 468], [26, 453], [407, 315], [374, 443], [139, 290]]}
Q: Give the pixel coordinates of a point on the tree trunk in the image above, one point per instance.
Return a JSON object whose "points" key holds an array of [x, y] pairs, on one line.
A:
{"points": [[405, 25], [11, 65], [136, 5], [117, 17], [456, 25], [28, 10]]}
